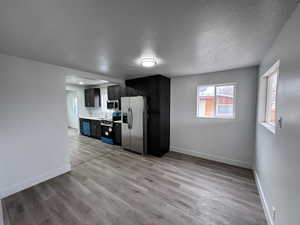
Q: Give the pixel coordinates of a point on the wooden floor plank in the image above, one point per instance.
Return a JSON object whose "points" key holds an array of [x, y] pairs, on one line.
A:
{"points": [[109, 186]]}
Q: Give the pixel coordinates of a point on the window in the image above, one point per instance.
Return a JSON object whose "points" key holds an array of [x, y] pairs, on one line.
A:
{"points": [[271, 99], [267, 97], [216, 101]]}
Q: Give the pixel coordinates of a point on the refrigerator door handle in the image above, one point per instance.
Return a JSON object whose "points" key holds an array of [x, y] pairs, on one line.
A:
{"points": [[130, 118], [131, 122]]}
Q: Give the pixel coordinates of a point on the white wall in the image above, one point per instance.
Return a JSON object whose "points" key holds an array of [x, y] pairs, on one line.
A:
{"points": [[72, 109], [278, 155], [33, 130], [230, 141]]}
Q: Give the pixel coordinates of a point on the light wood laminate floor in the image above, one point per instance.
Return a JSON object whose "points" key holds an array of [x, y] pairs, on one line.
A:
{"points": [[109, 186]]}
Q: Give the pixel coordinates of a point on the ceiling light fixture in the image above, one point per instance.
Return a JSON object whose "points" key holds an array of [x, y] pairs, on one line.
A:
{"points": [[148, 62], [81, 83]]}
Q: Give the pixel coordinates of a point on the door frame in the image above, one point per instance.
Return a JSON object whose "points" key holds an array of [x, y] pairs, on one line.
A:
{"points": [[74, 93]]}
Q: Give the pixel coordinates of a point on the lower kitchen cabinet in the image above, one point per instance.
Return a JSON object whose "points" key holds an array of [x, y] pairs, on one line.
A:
{"points": [[117, 128], [95, 129], [93, 124], [81, 126], [85, 127], [90, 128], [99, 131], [110, 134]]}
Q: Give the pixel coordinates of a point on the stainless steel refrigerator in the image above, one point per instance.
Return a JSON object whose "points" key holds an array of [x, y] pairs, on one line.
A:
{"points": [[134, 124]]}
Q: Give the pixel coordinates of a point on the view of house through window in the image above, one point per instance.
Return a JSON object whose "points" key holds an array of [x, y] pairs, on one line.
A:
{"points": [[267, 97], [271, 98], [216, 101]]}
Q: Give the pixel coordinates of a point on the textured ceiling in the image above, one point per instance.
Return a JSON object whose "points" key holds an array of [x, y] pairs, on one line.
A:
{"points": [[109, 36]]}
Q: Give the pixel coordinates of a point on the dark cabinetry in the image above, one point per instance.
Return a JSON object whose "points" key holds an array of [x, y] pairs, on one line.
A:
{"points": [[91, 128], [152, 88], [85, 127], [115, 92], [157, 90], [133, 92], [96, 129], [81, 126], [92, 96]]}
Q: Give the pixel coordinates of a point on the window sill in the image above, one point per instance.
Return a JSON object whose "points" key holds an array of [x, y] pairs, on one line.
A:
{"points": [[268, 127]]}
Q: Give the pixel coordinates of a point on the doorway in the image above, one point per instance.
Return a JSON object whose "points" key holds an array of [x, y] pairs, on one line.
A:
{"points": [[72, 109]]}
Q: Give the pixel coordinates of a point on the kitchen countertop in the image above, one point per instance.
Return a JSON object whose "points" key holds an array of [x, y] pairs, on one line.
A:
{"points": [[99, 119], [93, 118]]}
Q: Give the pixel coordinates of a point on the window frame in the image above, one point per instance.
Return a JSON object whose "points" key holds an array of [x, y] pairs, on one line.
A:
{"points": [[265, 96], [233, 117], [269, 97]]}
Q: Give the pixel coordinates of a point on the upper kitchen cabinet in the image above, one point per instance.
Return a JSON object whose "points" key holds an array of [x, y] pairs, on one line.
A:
{"points": [[91, 96], [157, 90], [132, 92], [114, 92]]}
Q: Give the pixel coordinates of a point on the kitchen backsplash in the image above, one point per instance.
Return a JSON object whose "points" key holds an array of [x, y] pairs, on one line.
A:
{"points": [[97, 112]]}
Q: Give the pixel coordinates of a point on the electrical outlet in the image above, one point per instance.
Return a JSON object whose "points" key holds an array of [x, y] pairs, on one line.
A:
{"points": [[274, 214]]}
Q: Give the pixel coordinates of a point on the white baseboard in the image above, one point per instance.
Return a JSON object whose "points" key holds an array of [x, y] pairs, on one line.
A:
{"points": [[4, 192], [1, 214], [211, 157], [263, 200]]}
